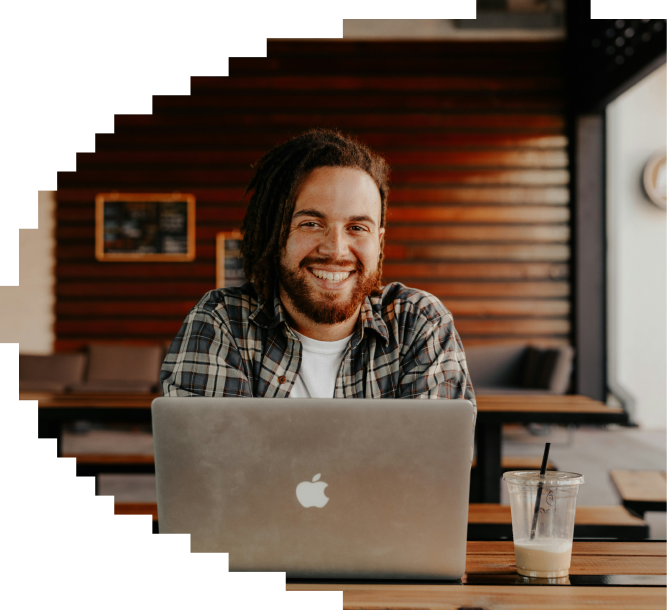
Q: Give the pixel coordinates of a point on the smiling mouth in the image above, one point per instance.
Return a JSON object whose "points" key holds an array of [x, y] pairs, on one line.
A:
{"points": [[334, 277]]}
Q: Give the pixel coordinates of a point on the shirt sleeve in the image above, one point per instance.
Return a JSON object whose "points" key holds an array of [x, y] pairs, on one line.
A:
{"points": [[203, 360], [435, 364]]}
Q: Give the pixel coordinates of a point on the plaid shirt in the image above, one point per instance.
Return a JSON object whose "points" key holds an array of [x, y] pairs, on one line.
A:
{"points": [[404, 346]]}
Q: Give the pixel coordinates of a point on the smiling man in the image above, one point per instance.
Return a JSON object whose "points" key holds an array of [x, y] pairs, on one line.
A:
{"points": [[313, 319]]}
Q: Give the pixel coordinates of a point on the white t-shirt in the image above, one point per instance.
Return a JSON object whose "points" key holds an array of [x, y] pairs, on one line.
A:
{"points": [[320, 361]]}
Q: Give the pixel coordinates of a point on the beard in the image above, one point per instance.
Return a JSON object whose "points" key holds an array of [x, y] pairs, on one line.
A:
{"points": [[327, 307]]}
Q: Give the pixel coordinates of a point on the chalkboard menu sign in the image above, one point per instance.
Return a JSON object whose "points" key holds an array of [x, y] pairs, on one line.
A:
{"points": [[229, 267], [144, 227]]}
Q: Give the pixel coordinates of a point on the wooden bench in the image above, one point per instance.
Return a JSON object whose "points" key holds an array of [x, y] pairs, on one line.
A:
{"points": [[494, 521], [641, 490]]}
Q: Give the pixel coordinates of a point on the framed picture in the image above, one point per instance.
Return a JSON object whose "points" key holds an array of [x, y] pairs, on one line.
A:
{"points": [[229, 263], [144, 227]]}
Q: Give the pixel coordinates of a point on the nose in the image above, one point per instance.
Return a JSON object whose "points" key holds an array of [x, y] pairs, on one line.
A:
{"points": [[334, 243]]}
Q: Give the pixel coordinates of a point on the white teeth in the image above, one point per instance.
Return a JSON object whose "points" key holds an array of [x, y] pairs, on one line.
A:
{"points": [[331, 276]]}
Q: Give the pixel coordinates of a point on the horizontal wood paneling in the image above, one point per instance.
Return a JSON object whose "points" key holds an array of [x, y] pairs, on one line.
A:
{"points": [[241, 159], [222, 214], [479, 206], [194, 289], [74, 344], [398, 100], [451, 84], [463, 233], [395, 251], [393, 270], [447, 52], [368, 62], [475, 308], [152, 123], [159, 329], [131, 176], [477, 271], [242, 141]]}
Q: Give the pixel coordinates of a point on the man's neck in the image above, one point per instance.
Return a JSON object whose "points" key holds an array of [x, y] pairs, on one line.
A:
{"points": [[320, 332]]}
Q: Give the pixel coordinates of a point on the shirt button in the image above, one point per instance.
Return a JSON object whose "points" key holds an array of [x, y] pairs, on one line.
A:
{"points": [[282, 379]]}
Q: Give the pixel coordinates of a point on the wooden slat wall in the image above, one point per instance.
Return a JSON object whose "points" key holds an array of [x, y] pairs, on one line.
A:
{"points": [[479, 209]]}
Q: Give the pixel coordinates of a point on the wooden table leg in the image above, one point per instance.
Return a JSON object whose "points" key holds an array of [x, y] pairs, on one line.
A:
{"points": [[489, 461]]}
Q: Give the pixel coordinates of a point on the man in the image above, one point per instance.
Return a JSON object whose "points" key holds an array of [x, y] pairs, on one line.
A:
{"points": [[313, 319]]}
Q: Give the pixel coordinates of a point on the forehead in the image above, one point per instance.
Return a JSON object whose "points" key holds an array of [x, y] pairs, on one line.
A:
{"points": [[339, 190]]}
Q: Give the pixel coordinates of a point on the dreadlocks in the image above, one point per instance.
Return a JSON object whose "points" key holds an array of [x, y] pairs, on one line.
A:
{"points": [[276, 181]]}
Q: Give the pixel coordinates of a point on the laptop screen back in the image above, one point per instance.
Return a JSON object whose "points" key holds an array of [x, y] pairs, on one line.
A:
{"points": [[335, 488]]}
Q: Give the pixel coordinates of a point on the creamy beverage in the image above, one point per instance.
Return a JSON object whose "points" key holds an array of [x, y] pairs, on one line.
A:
{"points": [[543, 557]]}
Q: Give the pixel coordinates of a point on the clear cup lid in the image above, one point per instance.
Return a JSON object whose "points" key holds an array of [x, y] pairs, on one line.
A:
{"points": [[551, 477]]}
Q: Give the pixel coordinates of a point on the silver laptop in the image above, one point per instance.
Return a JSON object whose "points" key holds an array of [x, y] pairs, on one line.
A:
{"points": [[337, 488]]}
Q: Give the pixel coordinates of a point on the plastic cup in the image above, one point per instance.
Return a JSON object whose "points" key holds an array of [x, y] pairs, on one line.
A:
{"points": [[543, 546]]}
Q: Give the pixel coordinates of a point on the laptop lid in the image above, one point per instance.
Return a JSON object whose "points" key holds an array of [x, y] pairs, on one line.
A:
{"points": [[318, 488]]}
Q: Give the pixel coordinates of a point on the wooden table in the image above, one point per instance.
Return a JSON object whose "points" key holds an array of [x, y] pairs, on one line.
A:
{"points": [[494, 521], [602, 575], [493, 412], [641, 490]]}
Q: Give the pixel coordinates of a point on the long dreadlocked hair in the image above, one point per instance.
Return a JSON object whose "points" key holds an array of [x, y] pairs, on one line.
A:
{"points": [[276, 181]]}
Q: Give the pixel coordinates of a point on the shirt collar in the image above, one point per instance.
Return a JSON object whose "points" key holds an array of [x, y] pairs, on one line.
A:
{"points": [[270, 313]]}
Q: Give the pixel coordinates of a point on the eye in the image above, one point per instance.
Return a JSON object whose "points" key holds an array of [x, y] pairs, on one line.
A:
{"points": [[358, 228]]}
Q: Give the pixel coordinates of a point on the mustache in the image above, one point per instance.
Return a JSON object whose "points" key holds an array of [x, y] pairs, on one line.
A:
{"points": [[314, 260]]}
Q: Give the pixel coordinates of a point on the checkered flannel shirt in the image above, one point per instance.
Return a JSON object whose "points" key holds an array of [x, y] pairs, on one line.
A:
{"points": [[404, 346]]}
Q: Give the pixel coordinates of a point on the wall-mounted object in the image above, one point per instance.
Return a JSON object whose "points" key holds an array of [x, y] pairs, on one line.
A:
{"points": [[655, 179], [229, 263], [145, 227]]}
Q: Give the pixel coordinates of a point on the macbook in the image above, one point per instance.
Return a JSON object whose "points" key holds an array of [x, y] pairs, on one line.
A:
{"points": [[318, 488]]}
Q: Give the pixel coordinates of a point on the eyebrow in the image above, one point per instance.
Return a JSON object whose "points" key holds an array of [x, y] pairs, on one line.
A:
{"points": [[318, 214]]}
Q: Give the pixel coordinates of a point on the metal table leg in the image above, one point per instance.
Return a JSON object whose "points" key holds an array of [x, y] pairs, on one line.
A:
{"points": [[489, 467], [48, 427]]}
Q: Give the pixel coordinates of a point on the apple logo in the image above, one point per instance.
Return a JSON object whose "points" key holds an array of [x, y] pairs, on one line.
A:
{"points": [[312, 494]]}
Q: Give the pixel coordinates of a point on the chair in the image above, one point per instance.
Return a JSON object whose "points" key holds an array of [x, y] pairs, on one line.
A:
{"points": [[50, 373], [121, 368]]}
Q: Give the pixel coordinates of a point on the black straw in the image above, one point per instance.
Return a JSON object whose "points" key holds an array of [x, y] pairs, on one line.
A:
{"points": [[543, 471]]}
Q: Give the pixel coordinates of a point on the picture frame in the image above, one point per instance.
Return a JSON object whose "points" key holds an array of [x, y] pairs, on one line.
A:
{"points": [[144, 227], [229, 263]]}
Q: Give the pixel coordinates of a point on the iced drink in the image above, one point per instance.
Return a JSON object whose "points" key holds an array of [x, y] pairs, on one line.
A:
{"points": [[543, 558], [543, 509]]}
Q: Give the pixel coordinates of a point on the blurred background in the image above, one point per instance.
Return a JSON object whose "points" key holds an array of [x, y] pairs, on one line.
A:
{"points": [[518, 144]]}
